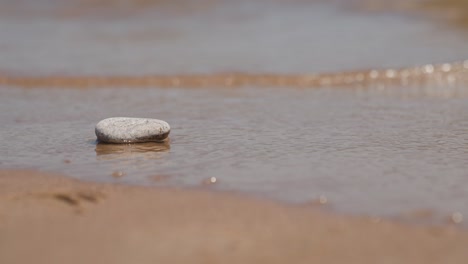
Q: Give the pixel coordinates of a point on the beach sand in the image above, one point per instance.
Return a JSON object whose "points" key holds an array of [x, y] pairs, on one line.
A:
{"points": [[47, 218]]}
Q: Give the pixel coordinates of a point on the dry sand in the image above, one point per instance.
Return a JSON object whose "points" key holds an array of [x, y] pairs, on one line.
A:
{"points": [[53, 219]]}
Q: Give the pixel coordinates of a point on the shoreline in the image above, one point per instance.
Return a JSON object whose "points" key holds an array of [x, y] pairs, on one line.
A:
{"points": [[57, 219], [416, 75]]}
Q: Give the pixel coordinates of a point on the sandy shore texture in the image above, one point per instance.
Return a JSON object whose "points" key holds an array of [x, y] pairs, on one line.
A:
{"points": [[53, 219]]}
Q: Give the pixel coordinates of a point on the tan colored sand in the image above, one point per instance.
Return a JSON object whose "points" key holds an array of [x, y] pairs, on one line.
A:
{"points": [[52, 219], [453, 12]]}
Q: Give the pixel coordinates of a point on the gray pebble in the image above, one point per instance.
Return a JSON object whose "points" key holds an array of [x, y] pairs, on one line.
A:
{"points": [[131, 130]]}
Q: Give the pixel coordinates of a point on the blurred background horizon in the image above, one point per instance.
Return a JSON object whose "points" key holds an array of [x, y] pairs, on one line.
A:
{"points": [[138, 37]]}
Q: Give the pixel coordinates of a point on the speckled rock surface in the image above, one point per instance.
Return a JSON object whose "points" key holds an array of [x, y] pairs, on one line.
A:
{"points": [[131, 130]]}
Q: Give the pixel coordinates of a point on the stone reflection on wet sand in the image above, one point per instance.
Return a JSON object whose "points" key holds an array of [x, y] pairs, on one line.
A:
{"points": [[145, 151]]}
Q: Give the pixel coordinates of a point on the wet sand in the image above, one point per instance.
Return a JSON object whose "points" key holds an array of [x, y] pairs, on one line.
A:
{"points": [[52, 219]]}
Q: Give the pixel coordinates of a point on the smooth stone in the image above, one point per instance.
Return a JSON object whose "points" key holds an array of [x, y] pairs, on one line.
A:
{"points": [[131, 130]]}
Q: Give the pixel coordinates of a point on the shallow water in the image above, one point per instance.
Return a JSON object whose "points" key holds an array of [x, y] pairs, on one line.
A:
{"points": [[382, 150], [367, 153]]}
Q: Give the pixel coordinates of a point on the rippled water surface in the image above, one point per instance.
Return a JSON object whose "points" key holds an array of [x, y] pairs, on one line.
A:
{"points": [[367, 151]]}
